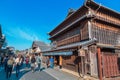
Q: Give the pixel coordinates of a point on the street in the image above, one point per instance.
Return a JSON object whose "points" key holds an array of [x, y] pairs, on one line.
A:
{"points": [[26, 74]]}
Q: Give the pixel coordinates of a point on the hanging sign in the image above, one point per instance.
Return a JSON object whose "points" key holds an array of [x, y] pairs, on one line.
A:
{"points": [[81, 52]]}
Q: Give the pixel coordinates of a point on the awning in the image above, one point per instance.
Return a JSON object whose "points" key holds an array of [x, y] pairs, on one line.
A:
{"points": [[58, 53]]}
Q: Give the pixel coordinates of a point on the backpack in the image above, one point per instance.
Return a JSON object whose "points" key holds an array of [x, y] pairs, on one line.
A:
{"points": [[32, 60], [27, 60], [10, 63]]}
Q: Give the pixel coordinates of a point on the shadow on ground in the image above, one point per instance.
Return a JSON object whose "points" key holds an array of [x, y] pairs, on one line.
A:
{"points": [[23, 71]]}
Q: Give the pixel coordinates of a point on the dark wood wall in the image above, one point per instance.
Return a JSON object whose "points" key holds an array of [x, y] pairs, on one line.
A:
{"points": [[70, 36], [75, 34], [108, 16], [105, 26], [71, 62], [105, 33]]}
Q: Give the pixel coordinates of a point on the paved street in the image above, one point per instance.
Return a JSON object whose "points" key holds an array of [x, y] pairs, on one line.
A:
{"points": [[60, 75], [45, 74], [37, 76], [13, 76], [26, 74]]}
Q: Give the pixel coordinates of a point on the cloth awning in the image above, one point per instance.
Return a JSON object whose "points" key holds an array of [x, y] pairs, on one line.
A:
{"points": [[58, 53]]}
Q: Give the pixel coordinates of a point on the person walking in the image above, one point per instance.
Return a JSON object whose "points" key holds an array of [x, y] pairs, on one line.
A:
{"points": [[38, 61], [18, 61], [22, 60], [51, 62], [33, 60], [27, 61], [5, 63], [9, 67], [2, 61], [47, 61]]}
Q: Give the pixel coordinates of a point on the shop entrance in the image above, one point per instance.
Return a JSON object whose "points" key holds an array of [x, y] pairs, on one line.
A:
{"points": [[57, 60]]}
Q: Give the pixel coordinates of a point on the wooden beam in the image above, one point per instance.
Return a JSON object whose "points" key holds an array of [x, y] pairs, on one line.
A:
{"points": [[99, 63], [90, 29]]}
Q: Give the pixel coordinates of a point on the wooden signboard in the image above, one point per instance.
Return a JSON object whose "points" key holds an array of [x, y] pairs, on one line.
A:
{"points": [[81, 52]]}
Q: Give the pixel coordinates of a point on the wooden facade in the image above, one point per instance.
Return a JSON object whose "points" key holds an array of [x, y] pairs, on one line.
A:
{"points": [[91, 21]]}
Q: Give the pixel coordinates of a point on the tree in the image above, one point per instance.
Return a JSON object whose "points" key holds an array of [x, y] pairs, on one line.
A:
{"points": [[5, 44], [17, 51]]}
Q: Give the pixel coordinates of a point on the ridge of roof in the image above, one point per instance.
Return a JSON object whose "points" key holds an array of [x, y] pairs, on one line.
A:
{"points": [[65, 19], [105, 7]]}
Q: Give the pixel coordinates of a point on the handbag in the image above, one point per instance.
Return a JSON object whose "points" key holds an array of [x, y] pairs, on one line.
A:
{"points": [[32, 65]]}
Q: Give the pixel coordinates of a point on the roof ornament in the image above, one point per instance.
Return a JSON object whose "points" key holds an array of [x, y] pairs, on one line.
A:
{"points": [[85, 3], [88, 0], [70, 11]]}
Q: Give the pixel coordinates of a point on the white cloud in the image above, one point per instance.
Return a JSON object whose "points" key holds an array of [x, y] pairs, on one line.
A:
{"points": [[23, 33], [8, 33]]}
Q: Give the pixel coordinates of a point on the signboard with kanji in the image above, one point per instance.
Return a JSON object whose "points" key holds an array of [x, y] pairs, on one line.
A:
{"points": [[81, 52]]}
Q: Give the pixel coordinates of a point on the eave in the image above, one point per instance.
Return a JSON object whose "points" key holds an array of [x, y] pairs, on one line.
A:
{"points": [[107, 21], [67, 19], [86, 16], [108, 46], [103, 7], [74, 45]]}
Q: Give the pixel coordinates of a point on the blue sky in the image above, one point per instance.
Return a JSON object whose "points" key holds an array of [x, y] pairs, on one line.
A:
{"points": [[26, 20]]}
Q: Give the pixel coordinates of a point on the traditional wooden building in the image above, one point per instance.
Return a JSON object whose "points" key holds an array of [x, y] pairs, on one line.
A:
{"points": [[38, 46], [88, 41]]}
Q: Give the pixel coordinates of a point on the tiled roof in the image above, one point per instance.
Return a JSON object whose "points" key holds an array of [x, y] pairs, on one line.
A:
{"points": [[82, 44], [43, 46]]}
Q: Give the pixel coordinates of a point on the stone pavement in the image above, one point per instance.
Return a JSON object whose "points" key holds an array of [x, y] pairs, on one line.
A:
{"points": [[48, 74], [13, 76], [60, 75], [45, 74], [37, 76]]}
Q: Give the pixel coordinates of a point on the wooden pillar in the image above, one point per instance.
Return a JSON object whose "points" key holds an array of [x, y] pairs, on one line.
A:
{"points": [[82, 62], [60, 61], [99, 63]]}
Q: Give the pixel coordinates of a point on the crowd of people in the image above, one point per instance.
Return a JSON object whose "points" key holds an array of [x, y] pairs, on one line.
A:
{"points": [[33, 61], [11, 62]]}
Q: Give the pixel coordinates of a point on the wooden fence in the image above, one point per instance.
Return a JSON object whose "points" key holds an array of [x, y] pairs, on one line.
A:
{"points": [[110, 65]]}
